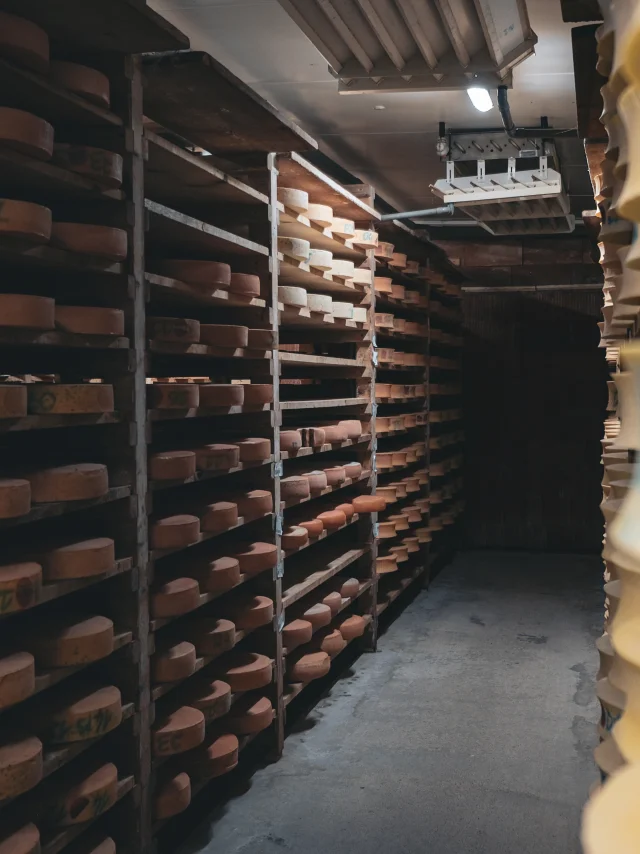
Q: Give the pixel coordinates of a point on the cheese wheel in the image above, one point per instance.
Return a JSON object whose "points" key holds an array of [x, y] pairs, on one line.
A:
{"points": [[82, 559], [386, 564], [398, 324], [399, 458], [69, 398], [251, 612], [172, 465], [173, 395], [20, 586], [90, 796], [352, 428], [290, 440], [255, 558], [24, 132], [313, 437], [292, 296], [320, 303], [219, 516], [17, 678], [349, 588], [24, 43], [176, 662], [412, 328], [26, 840], [78, 482], [386, 493], [365, 239], [383, 424], [352, 627], [362, 275], [413, 484], [399, 260], [213, 395], [89, 320], [382, 284], [353, 470], [82, 80], [174, 532], [67, 641], [369, 503], [398, 392], [219, 575], [386, 530], [20, 765], [294, 488], [213, 698], [297, 200], [332, 519], [172, 796], [100, 241], [317, 481], [13, 401], [25, 220], [321, 259], [99, 166], [294, 247], [217, 457], [400, 520], [296, 632], [223, 335], [249, 715], [260, 339], [175, 597], [401, 552], [217, 756], [333, 601], [320, 214], [254, 450], [397, 291], [347, 509], [246, 671], [342, 268], [84, 714], [401, 489], [178, 732], [343, 227], [383, 321], [360, 315], [209, 275], [412, 544], [314, 526], [334, 434], [294, 538], [255, 503], [308, 666], [384, 250], [342, 310], [318, 615], [257, 394], [335, 475], [180, 330], [330, 641]]}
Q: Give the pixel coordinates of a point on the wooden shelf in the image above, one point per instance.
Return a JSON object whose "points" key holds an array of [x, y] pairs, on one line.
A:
{"points": [[10, 337], [293, 224], [309, 360], [313, 279], [328, 490], [205, 536], [202, 476], [56, 422], [346, 603], [180, 292], [49, 258], [324, 449], [298, 591], [301, 318], [165, 348], [61, 508], [321, 537], [394, 594], [331, 403]]}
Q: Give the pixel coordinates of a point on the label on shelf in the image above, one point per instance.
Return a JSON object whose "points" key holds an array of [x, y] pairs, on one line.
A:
{"points": [[278, 524], [278, 469], [376, 529], [280, 570]]}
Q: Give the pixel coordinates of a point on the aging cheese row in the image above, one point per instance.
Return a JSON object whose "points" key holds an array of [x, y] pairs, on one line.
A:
{"points": [[210, 276], [185, 395], [217, 456], [77, 482], [22, 311]]}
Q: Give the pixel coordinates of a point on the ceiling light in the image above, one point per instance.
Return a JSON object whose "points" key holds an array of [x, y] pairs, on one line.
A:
{"points": [[480, 98], [379, 107]]}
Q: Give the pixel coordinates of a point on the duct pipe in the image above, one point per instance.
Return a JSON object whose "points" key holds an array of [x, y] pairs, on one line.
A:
{"points": [[443, 210]]}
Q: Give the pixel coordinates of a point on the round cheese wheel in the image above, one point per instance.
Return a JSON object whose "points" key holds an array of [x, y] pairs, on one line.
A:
{"points": [[172, 465], [370, 503], [20, 586], [256, 503], [89, 320], [412, 544], [384, 250], [175, 532], [386, 530], [249, 715], [24, 43], [214, 395], [401, 521], [342, 310], [86, 82], [322, 259], [82, 559], [100, 241], [386, 564], [313, 437], [217, 756], [69, 398], [401, 553], [178, 732], [308, 666], [172, 796], [330, 641], [318, 615], [209, 275], [317, 481], [343, 227], [413, 484], [398, 392], [180, 330], [382, 284], [84, 714], [255, 558], [335, 475], [260, 339], [400, 488], [17, 678], [251, 612], [362, 275], [384, 461], [294, 538], [383, 390], [223, 335], [248, 285], [175, 597], [398, 324], [399, 458], [296, 632], [219, 516], [78, 482], [353, 470], [213, 698], [173, 663], [424, 535], [295, 488], [314, 526], [254, 450], [173, 395], [383, 321], [294, 247], [365, 238], [72, 641], [397, 291], [352, 428], [13, 401], [332, 519], [321, 214], [399, 260], [103, 168], [91, 796], [333, 601], [360, 315], [349, 588], [383, 424], [347, 509], [20, 765], [217, 457], [24, 132], [335, 433], [342, 268], [257, 394], [320, 303], [25, 220], [219, 575], [290, 440], [297, 200], [26, 840], [352, 627], [246, 671], [289, 295]]}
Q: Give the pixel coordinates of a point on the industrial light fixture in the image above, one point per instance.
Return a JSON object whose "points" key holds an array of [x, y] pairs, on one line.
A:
{"points": [[480, 98]]}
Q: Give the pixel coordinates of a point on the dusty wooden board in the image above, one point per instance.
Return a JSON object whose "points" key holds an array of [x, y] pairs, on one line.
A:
{"points": [[60, 508], [176, 291], [315, 579], [308, 359], [323, 404], [347, 601], [11, 337], [194, 95], [313, 279]]}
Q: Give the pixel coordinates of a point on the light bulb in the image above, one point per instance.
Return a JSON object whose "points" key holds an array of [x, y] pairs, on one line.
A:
{"points": [[480, 98]]}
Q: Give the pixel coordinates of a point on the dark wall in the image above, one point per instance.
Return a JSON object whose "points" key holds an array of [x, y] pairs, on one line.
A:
{"points": [[534, 403]]}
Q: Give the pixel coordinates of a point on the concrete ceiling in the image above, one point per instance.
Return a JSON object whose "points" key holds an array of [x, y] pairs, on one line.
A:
{"points": [[393, 148]]}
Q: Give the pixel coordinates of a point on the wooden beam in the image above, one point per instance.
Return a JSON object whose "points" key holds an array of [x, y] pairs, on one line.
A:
{"points": [[517, 251]]}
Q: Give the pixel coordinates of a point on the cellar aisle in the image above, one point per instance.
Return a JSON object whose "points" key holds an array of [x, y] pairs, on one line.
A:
{"points": [[471, 729]]}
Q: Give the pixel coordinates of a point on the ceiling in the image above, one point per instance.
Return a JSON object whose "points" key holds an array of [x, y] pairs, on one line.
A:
{"points": [[391, 148]]}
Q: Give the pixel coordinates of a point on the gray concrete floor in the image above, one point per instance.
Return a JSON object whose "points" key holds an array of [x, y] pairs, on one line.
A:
{"points": [[470, 730]]}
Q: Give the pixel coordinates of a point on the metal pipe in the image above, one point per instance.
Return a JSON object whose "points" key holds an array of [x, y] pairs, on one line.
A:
{"points": [[443, 210], [522, 133]]}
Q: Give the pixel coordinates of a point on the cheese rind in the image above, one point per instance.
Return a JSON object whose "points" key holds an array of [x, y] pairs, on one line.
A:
{"points": [[72, 641], [217, 457], [292, 296], [342, 310], [178, 732], [212, 636], [69, 398], [254, 449], [257, 394], [175, 532], [219, 516], [219, 575], [179, 330], [292, 198], [255, 503], [318, 615], [321, 214], [246, 671], [77, 482], [343, 227], [255, 558], [252, 612], [173, 395], [210, 275], [173, 663], [172, 796], [20, 586], [213, 698], [224, 335], [13, 401], [82, 559], [309, 666], [172, 465], [15, 497], [102, 167], [294, 247], [25, 221], [175, 597], [99, 241], [322, 259], [295, 488], [352, 627], [20, 765], [249, 715], [85, 715], [89, 797], [295, 633], [26, 840], [320, 303], [82, 80], [17, 678], [89, 320], [217, 756], [245, 284], [26, 133], [24, 43], [213, 395]]}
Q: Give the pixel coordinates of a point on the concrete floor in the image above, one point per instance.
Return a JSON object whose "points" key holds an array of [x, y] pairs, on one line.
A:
{"points": [[470, 730]]}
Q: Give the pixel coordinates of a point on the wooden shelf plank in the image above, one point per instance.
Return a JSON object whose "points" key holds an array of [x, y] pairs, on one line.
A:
{"points": [[288, 405], [158, 554], [10, 337], [321, 537], [160, 415], [176, 291], [293, 224], [20, 173], [302, 318], [323, 449], [301, 273], [394, 594], [49, 258], [61, 508], [53, 422], [299, 590], [176, 349], [320, 361]]}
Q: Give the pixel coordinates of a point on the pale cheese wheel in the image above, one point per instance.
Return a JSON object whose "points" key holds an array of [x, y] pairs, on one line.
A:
{"points": [[255, 558], [82, 559], [360, 315], [343, 227], [322, 259], [260, 339], [77, 482], [213, 395], [99, 241], [217, 756], [382, 284], [209, 275], [90, 796], [353, 470], [342, 310], [295, 488], [249, 715], [386, 564], [26, 840], [399, 260], [336, 475], [172, 796], [20, 586], [384, 250], [17, 678], [178, 732], [294, 538], [175, 597], [251, 612], [386, 530], [349, 588], [69, 398], [320, 303], [397, 291], [317, 481], [179, 330], [82, 80], [352, 427], [362, 276], [334, 434], [213, 698], [73, 641], [254, 450], [369, 503], [219, 516], [174, 532], [308, 666], [84, 714], [217, 457], [20, 765], [246, 671], [332, 519], [223, 335], [320, 214], [297, 200], [24, 43], [25, 221], [366, 239], [102, 167], [290, 440], [219, 575], [333, 601], [172, 465], [296, 632], [314, 526], [294, 247], [400, 520], [342, 268], [352, 627], [296, 297], [173, 663], [245, 284], [24, 132], [173, 395], [330, 641], [318, 615], [257, 394], [13, 401]]}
